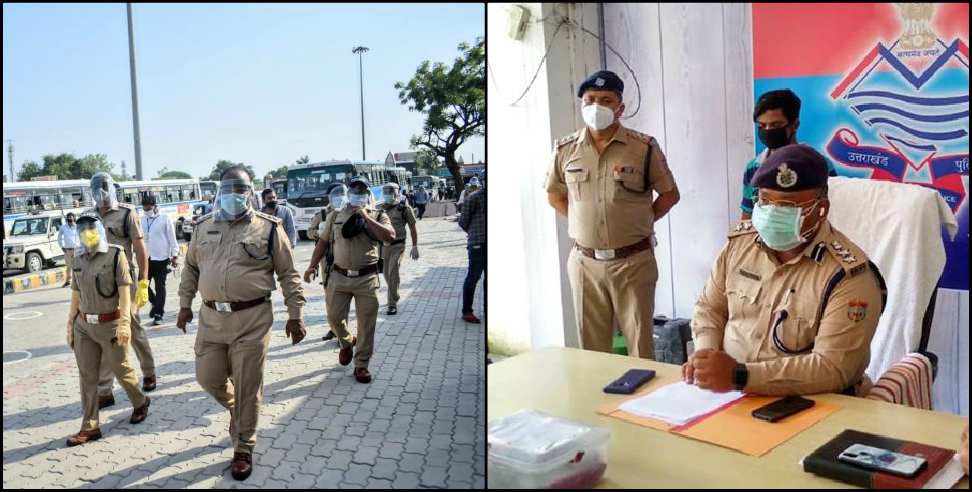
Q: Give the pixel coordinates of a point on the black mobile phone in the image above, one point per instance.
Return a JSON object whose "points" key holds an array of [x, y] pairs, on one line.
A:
{"points": [[782, 408], [630, 381]]}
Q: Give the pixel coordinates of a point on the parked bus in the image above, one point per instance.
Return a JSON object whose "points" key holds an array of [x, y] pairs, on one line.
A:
{"points": [[208, 189], [307, 185], [22, 198], [174, 197]]}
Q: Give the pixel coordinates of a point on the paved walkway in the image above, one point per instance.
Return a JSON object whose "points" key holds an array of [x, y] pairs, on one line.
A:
{"points": [[420, 423]]}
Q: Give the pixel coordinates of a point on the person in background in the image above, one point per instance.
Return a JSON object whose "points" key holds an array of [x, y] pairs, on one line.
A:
{"points": [[67, 238], [421, 199], [270, 207], [777, 116], [163, 250], [473, 221]]}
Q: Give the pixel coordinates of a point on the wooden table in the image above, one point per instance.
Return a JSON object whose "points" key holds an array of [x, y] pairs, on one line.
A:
{"points": [[568, 383]]}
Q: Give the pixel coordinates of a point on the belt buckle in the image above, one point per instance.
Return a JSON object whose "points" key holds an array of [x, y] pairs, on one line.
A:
{"points": [[91, 319], [603, 254], [223, 307], [353, 273]]}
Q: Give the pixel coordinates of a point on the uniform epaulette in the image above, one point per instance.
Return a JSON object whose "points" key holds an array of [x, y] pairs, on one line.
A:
{"points": [[560, 142], [850, 257], [271, 218], [126, 205], [741, 228], [205, 217], [644, 137]]}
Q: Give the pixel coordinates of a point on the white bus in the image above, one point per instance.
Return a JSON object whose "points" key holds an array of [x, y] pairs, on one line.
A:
{"points": [[174, 197], [22, 198], [307, 184]]}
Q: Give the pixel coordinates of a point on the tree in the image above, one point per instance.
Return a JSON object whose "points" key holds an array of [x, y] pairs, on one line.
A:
{"points": [[66, 166], [280, 172], [303, 160], [174, 175], [223, 164], [453, 100], [426, 159]]}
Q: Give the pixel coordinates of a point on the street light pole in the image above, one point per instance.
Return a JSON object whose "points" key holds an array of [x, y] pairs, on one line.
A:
{"points": [[13, 177], [131, 60], [359, 50]]}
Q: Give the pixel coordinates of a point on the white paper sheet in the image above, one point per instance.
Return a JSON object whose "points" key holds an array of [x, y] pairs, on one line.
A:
{"points": [[678, 403]]}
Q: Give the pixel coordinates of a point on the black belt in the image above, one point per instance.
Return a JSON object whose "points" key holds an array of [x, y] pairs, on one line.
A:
{"points": [[368, 270], [397, 241], [232, 307]]}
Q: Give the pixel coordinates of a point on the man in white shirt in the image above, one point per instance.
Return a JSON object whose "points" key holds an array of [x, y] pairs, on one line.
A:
{"points": [[67, 239], [162, 248]]}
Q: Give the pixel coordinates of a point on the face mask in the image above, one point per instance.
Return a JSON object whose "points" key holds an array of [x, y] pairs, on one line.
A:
{"points": [[391, 199], [359, 200], [775, 138], [272, 204], [339, 202], [233, 203], [90, 238], [101, 197], [151, 213], [597, 117], [779, 227]]}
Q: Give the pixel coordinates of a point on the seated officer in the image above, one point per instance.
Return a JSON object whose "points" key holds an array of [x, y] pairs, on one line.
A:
{"points": [[791, 304]]}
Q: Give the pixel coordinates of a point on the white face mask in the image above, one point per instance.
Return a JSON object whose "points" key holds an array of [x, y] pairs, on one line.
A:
{"points": [[597, 117], [359, 200]]}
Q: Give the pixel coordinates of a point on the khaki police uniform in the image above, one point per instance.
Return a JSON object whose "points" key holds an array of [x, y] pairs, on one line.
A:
{"points": [[235, 262], [604, 215], [400, 215], [353, 255], [313, 233], [800, 327], [115, 221], [97, 278]]}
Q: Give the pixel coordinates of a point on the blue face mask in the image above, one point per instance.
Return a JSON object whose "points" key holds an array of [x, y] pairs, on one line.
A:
{"points": [[233, 203], [778, 226]]}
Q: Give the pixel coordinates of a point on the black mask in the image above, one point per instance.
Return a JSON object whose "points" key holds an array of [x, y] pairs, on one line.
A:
{"points": [[774, 138], [272, 204]]}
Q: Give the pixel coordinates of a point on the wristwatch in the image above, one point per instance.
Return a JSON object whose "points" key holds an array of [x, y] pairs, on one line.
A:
{"points": [[740, 376]]}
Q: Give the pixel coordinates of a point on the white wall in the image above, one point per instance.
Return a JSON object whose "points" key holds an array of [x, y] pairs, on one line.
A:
{"points": [[528, 290]]}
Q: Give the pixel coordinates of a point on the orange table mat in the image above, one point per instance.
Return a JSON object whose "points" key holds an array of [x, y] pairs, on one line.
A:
{"points": [[733, 427]]}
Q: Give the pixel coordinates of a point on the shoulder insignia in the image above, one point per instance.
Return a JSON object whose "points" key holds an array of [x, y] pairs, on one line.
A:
{"points": [[741, 228], [267, 217], [205, 217], [560, 142], [850, 257], [644, 137]]}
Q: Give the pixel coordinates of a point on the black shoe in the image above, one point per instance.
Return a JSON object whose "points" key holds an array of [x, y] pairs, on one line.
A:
{"points": [[156, 320], [330, 336], [241, 466], [148, 384], [392, 310], [106, 401], [66, 284]]}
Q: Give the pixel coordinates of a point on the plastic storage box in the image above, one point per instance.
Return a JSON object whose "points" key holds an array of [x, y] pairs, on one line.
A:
{"points": [[531, 449]]}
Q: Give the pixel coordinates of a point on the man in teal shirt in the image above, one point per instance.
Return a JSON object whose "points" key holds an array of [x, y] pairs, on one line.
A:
{"points": [[777, 115]]}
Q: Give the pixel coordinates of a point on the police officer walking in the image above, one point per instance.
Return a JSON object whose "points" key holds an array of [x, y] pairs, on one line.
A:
{"points": [[99, 323], [400, 214], [338, 198], [603, 179], [231, 261], [124, 229], [355, 234]]}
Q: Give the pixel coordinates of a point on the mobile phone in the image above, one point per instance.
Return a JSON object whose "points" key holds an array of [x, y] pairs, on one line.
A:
{"points": [[902, 465], [782, 408], [630, 381]]}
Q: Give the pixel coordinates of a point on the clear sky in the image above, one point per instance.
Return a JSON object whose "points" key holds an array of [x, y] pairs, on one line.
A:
{"points": [[259, 83]]}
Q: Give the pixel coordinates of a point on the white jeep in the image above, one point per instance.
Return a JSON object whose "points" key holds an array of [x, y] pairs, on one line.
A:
{"points": [[32, 242]]}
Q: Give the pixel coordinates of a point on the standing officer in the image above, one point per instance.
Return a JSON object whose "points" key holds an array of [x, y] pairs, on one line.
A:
{"points": [[98, 327], [231, 261], [602, 178], [125, 230], [400, 214], [792, 304], [355, 234]]}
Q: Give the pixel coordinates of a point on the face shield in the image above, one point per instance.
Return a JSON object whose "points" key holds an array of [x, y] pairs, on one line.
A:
{"points": [[389, 193], [359, 195], [338, 197], [91, 235], [234, 199], [103, 191]]}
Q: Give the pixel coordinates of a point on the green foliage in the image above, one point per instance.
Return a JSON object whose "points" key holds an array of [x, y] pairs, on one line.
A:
{"points": [[223, 164], [66, 166], [453, 100]]}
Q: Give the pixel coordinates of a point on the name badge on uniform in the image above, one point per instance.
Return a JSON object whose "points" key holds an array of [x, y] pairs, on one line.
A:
{"points": [[624, 171]]}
